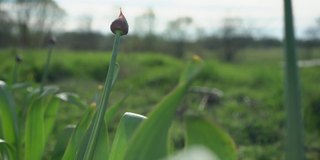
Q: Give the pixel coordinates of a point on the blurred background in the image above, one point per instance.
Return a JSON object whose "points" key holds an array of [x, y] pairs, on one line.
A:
{"points": [[165, 26], [241, 42]]}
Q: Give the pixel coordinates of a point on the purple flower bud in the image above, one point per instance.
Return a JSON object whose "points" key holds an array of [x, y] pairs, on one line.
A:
{"points": [[120, 24], [52, 40], [18, 58]]}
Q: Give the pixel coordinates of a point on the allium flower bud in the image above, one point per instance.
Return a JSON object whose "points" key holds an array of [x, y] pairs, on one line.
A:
{"points": [[120, 24], [52, 40], [18, 58]]}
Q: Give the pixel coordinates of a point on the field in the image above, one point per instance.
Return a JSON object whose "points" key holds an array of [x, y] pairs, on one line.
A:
{"points": [[248, 99]]}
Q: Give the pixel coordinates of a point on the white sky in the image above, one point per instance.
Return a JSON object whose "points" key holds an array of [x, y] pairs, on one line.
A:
{"points": [[262, 15]]}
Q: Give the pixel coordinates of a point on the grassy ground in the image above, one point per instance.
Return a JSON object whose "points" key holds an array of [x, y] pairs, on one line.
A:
{"points": [[250, 109]]}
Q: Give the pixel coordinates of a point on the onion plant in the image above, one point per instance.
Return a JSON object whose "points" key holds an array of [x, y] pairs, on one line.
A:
{"points": [[137, 136], [25, 136]]}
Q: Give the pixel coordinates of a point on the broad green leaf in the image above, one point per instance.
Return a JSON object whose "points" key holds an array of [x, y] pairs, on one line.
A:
{"points": [[127, 126], [52, 106], [150, 139], [84, 143], [35, 131], [74, 143], [201, 131], [112, 110], [62, 142], [101, 148], [101, 151], [193, 153], [7, 151], [8, 116], [40, 120], [37, 126]]}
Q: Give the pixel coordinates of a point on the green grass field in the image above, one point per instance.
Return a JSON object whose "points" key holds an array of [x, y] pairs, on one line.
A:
{"points": [[251, 108]]}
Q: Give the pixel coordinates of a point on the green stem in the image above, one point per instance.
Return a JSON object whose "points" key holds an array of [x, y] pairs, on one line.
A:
{"points": [[14, 74], [294, 124], [46, 68], [102, 107]]}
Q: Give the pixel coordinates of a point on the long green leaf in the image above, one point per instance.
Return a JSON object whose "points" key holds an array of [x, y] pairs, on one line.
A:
{"points": [[62, 142], [78, 135], [127, 126], [8, 116], [7, 151], [50, 115], [150, 139], [101, 148], [201, 131], [35, 132], [194, 153], [37, 126], [114, 109], [294, 124]]}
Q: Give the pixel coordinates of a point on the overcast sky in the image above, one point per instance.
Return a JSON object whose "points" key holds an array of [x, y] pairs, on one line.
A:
{"points": [[261, 15]]}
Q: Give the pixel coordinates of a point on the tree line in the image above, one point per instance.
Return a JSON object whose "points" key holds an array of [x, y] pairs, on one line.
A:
{"points": [[28, 24]]}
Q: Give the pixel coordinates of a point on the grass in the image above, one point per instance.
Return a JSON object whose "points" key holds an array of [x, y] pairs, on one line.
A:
{"points": [[146, 138]]}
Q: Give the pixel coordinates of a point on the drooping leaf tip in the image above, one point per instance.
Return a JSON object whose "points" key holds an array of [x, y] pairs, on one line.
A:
{"points": [[197, 58]]}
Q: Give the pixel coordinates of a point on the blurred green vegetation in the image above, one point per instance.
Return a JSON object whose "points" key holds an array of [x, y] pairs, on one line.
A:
{"points": [[251, 108]]}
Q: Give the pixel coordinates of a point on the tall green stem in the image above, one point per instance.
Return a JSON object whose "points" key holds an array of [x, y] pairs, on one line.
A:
{"points": [[294, 125], [46, 68], [14, 74], [102, 107]]}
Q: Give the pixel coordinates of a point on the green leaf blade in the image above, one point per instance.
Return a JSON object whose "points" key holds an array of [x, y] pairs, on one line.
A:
{"points": [[77, 136], [201, 131], [127, 126], [114, 109], [195, 152], [101, 151], [50, 115], [7, 151], [292, 101], [150, 141], [62, 142], [35, 132], [101, 148], [8, 116]]}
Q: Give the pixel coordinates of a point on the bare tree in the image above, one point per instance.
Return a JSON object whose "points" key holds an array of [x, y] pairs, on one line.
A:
{"points": [[6, 27], [144, 24], [177, 32], [85, 23], [144, 27], [35, 19], [312, 39], [234, 37]]}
